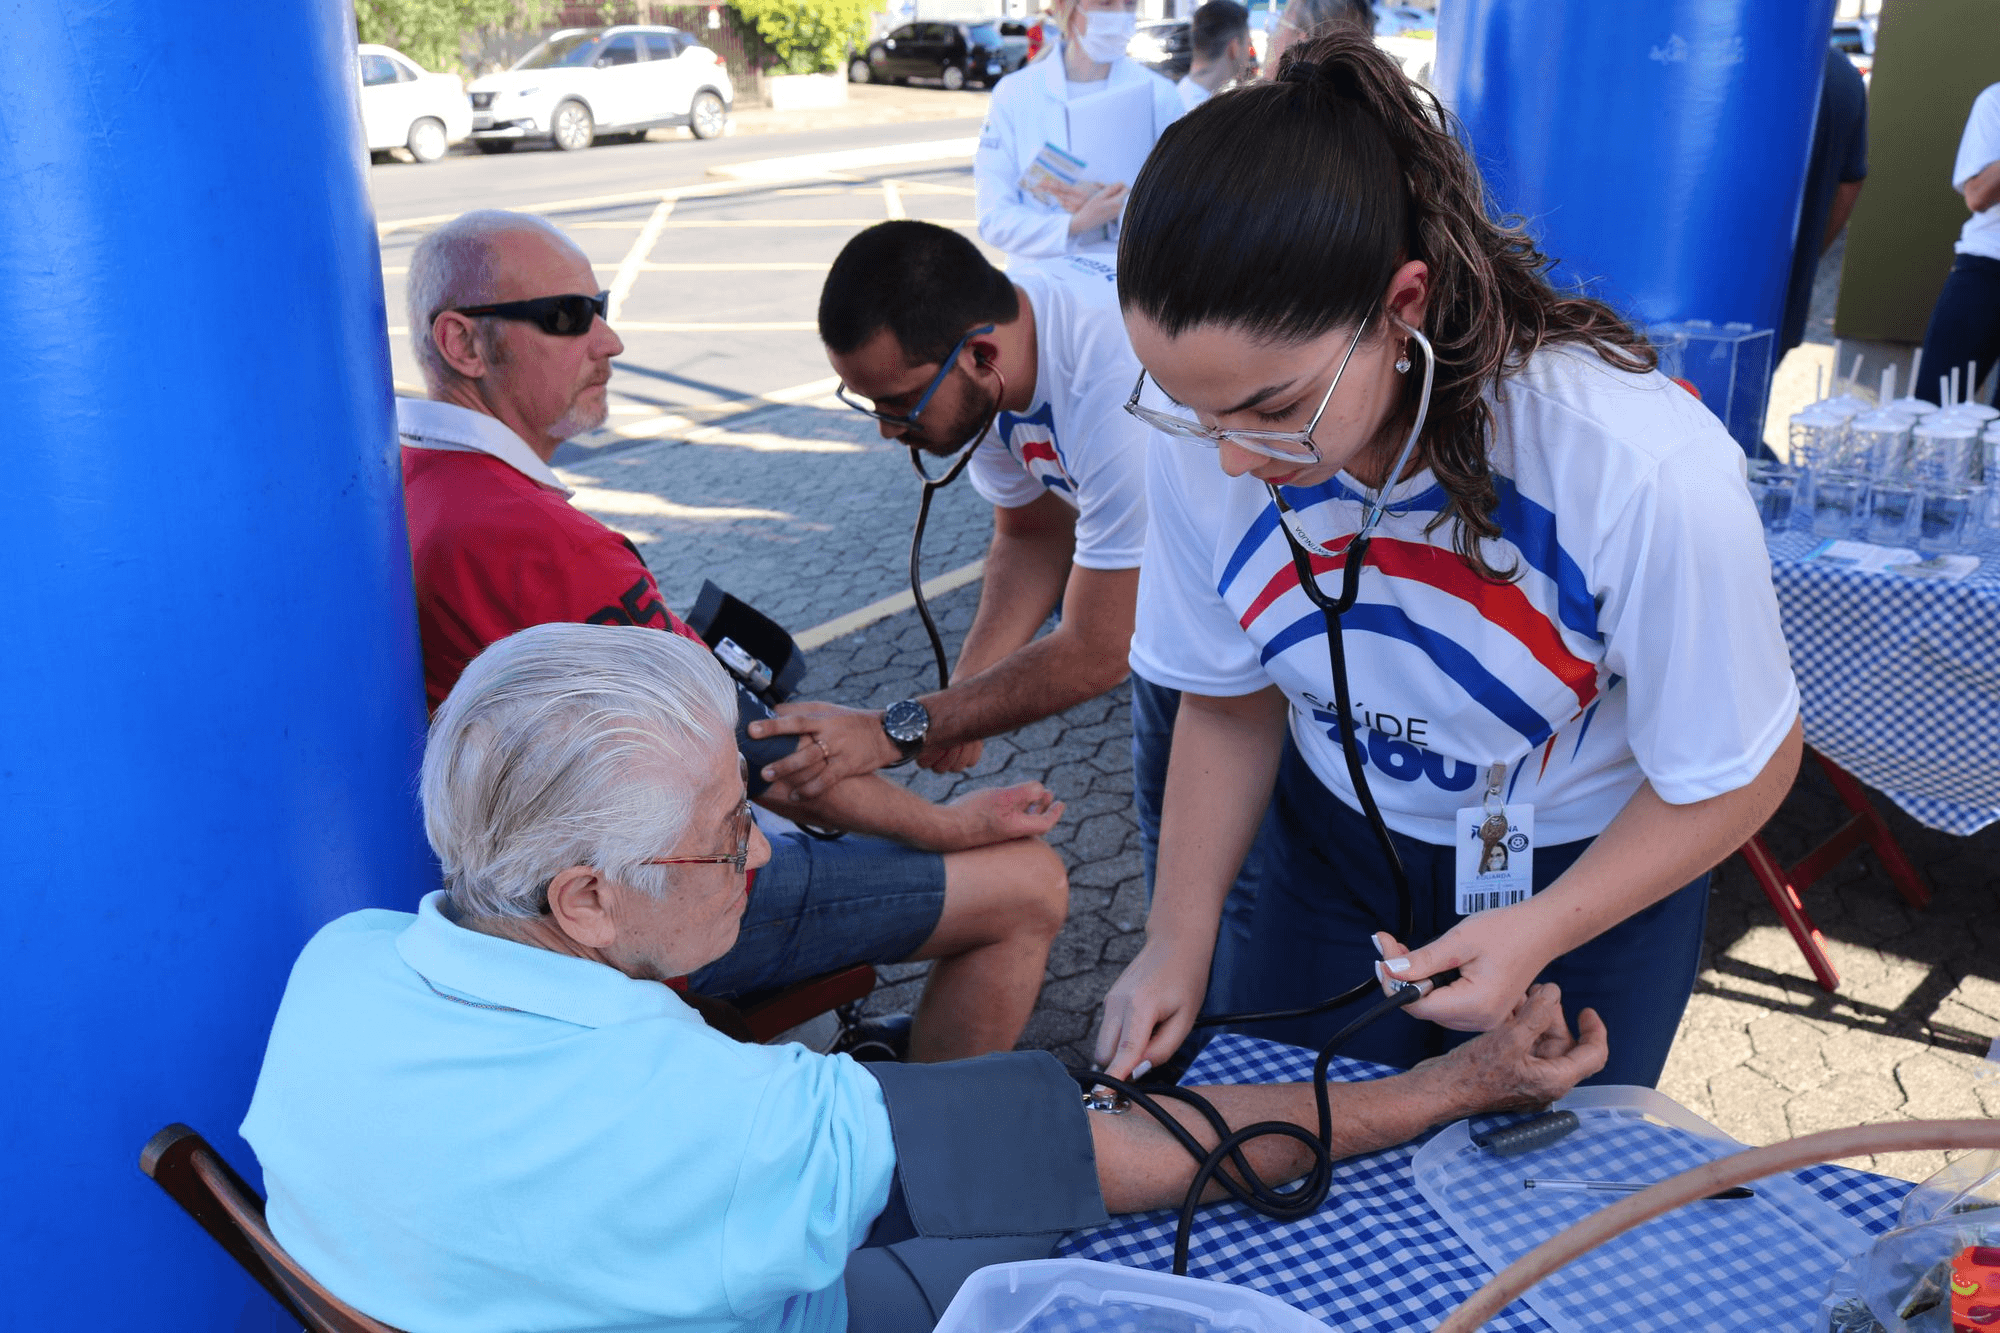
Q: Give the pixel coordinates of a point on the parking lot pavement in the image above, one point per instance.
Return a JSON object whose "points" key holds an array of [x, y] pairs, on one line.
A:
{"points": [[727, 458]]}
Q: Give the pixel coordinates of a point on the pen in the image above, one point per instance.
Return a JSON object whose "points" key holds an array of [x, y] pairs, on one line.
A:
{"points": [[1624, 1187]]}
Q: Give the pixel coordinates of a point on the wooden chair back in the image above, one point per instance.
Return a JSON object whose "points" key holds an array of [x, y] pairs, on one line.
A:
{"points": [[197, 1178]]}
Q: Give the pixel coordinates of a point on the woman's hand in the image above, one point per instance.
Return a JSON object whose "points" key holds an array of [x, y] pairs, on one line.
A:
{"points": [[839, 743], [1091, 205], [1152, 1008], [1498, 955]]}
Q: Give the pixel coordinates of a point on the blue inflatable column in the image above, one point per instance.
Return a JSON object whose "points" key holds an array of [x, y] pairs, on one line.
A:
{"points": [[210, 703], [1658, 149]]}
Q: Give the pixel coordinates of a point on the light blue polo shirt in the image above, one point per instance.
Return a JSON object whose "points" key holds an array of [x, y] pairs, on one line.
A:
{"points": [[459, 1132]]}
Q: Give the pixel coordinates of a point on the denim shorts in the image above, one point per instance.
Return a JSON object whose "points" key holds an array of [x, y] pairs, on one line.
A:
{"points": [[820, 905]]}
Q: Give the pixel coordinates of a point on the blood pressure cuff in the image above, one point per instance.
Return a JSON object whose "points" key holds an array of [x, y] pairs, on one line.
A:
{"points": [[749, 708], [994, 1162]]}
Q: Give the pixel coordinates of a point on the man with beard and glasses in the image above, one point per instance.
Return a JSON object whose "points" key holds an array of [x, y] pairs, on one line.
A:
{"points": [[507, 325], [1031, 370]]}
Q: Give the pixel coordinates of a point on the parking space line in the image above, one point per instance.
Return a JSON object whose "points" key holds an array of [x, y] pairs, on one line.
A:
{"points": [[771, 266], [894, 604], [735, 178], [690, 223], [745, 326], [631, 198], [628, 270], [892, 201], [828, 164]]}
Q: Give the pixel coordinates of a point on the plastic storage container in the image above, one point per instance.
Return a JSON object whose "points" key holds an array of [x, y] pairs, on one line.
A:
{"points": [[1723, 1265], [1084, 1296], [1729, 366]]}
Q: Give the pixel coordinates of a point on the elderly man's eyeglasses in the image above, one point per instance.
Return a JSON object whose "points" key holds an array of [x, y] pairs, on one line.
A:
{"points": [[735, 861], [567, 316], [910, 418], [1288, 446]]}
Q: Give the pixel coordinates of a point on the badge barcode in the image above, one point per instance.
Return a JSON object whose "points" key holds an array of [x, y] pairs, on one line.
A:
{"points": [[1480, 902]]}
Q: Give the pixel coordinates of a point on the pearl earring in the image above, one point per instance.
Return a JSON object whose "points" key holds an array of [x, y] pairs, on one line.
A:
{"points": [[1403, 361]]}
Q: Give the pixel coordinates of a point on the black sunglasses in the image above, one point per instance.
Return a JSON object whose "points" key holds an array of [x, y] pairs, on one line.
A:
{"points": [[567, 316]]}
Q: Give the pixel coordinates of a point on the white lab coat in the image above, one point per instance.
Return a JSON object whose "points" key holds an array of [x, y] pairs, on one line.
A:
{"points": [[1029, 108]]}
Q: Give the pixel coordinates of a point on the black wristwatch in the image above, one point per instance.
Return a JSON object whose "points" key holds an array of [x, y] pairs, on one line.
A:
{"points": [[906, 723]]}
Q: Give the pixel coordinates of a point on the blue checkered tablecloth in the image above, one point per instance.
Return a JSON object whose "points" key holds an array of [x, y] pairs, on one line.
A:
{"points": [[1375, 1256], [1901, 679]]}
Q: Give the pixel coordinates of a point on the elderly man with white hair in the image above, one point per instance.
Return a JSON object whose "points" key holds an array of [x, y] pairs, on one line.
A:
{"points": [[491, 1115], [507, 324]]}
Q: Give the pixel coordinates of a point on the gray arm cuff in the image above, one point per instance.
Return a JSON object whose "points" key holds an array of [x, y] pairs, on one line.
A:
{"points": [[996, 1146]]}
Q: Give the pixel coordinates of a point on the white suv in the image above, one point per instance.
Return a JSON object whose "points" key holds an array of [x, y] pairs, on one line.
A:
{"points": [[582, 84]]}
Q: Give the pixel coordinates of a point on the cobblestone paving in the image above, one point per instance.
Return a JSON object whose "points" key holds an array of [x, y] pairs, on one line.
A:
{"points": [[804, 510]]}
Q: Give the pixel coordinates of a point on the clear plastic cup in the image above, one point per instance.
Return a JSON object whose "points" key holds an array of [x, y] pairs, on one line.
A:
{"points": [[1817, 439], [1944, 515], [1881, 442], [1774, 486], [1839, 503], [1892, 512], [1943, 450]]}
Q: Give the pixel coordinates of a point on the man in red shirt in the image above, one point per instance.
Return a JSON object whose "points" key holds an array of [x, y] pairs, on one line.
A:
{"points": [[507, 325]]}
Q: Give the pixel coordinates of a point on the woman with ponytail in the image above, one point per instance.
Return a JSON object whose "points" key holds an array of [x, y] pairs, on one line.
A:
{"points": [[1567, 687]]}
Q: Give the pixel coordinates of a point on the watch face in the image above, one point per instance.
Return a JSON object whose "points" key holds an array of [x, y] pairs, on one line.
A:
{"points": [[906, 722]]}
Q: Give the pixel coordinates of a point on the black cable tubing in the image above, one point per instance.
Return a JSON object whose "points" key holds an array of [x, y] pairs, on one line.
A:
{"points": [[1331, 609], [931, 486], [1282, 1204]]}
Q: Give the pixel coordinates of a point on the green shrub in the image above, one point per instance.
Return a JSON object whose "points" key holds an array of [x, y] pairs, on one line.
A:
{"points": [[810, 36], [429, 31]]}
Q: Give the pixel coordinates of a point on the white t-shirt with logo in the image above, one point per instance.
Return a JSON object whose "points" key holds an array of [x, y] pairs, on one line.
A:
{"points": [[1641, 640], [1077, 442], [1978, 149]]}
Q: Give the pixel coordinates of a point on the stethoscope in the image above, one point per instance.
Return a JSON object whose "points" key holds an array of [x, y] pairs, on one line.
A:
{"points": [[1111, 1095], [930, 486], [1331, 609]]}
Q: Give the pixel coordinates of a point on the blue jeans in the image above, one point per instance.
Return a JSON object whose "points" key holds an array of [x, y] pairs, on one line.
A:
{"points": [[1328, 888], [1965, 326], [820, 905], [1154, 708]]}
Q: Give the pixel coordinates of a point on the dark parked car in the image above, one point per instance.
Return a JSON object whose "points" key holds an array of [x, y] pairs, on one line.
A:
{"points": [[1165, 46], [955, 54]]}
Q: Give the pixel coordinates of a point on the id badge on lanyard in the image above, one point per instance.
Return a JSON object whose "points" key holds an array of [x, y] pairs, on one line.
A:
{"points": [[1496, 850]]}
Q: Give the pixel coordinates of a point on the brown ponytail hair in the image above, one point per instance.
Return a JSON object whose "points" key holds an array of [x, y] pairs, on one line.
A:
{"points": [[1282, 210]]}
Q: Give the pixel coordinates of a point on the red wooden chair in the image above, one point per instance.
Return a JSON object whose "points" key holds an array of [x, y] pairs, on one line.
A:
{"points": [[1784, 885], [197, 1178]]}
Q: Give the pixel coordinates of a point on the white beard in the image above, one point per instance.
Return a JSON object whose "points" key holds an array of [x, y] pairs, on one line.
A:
{"points": [[579, 419]]}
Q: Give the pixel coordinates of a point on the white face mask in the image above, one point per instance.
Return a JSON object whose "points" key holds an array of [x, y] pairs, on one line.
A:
{"points": [[1110, 29]]}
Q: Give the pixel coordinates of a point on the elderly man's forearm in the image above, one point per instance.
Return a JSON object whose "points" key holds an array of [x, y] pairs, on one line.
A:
{"points": [[874, 805], [1141, 1166]]}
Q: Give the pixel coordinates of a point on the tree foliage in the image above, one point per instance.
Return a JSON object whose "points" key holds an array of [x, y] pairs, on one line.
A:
{"points": [[810, 36], [429, 31]]}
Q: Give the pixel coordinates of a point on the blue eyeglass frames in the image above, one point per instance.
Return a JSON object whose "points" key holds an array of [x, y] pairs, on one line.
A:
{"points": [[910, 418]]}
